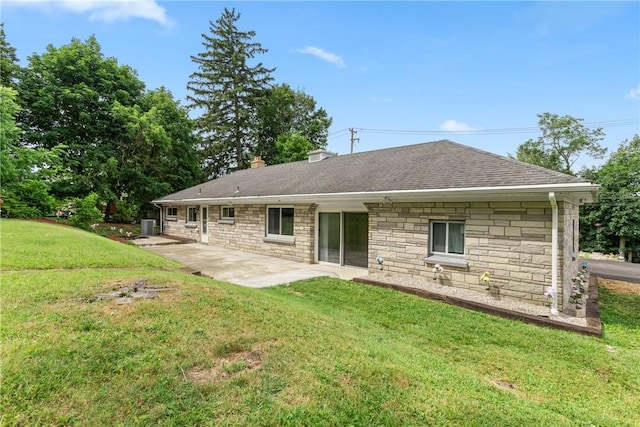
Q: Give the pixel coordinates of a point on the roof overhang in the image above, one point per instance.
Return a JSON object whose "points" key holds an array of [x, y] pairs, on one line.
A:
{"points": [[582, 192]]}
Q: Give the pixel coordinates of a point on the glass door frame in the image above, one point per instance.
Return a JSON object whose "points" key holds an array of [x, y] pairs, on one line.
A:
{"points": [[340, 237], [337, 210], [204, 224], [361, 257]]}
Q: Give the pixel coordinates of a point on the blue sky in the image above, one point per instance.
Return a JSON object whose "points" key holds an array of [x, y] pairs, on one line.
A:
{"points": [[398, 72]]}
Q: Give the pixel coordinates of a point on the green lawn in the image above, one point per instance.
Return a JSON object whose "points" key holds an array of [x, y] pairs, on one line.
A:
{"points": [[321, 352], [36, 245]]}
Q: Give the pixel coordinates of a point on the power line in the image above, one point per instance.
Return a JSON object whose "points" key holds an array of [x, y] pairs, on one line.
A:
{"points": [[496, 131], [338, 133]]}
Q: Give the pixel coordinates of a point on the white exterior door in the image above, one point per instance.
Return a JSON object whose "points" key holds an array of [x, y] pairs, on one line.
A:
{"points": [[204, 226]]}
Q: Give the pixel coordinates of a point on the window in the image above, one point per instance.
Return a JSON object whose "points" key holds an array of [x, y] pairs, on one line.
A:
{"points": [[280, 221], [227, 212], [447, 237], [192, 214], [172, 212]]}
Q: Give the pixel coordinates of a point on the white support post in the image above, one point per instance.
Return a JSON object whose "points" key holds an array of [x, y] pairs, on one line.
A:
{"points": [[554, 253]]}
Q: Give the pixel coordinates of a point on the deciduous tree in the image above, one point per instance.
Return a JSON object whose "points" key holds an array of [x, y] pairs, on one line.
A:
{"points": [[563, 140], [125, 144], [24, 171], [9, 67], [155, 154], [291, 148], [286, 112], [67, 95], [614, 221]]}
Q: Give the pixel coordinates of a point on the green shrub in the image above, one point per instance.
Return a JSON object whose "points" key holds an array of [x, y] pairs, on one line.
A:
{"points": [[86, 212], [15, 208], [28, 199], [125, 212]]}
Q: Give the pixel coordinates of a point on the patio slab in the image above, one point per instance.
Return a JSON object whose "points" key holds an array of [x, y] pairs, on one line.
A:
{"points": [[247, 269]]}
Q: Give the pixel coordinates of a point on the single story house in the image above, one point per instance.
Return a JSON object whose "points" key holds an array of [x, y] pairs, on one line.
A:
{"points": [[414, 207]]}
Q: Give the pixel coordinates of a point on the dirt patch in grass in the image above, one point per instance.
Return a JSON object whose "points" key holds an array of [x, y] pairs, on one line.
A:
{"points": [[505, 385], [620, 286], [126, 291], [226, 367], [133, 290]]}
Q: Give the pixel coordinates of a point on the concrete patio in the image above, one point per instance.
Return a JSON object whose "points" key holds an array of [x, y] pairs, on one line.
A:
{"points": [[242, 268]]}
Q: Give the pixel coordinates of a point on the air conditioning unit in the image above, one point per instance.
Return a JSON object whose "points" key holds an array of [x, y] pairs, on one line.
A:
{"points": [[148, 227]]}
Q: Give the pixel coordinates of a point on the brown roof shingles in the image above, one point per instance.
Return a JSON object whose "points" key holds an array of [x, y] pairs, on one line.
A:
{"points": [[428, 166]]}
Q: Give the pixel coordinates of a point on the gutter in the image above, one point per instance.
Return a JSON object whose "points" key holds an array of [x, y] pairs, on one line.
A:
{"points": [[554, 253], [160, 208], [395, 195]]}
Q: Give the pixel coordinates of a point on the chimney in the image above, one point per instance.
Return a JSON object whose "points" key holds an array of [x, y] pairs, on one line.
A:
{"points": [[257, 163], [318, 155]]}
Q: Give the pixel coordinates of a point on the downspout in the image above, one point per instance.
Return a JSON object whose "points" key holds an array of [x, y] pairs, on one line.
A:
{"points": [[160, 208], [554, 253]]}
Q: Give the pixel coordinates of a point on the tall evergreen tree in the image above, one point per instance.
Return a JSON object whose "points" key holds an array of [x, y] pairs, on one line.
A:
{"points": [[228, 91]]}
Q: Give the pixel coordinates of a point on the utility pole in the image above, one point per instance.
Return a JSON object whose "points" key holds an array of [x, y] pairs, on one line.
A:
{"points": [[353, 140]]}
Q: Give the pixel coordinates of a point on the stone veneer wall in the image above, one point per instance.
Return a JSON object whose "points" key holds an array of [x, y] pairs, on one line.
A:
{"points": [[571, 247], [178, 228], [247, 231], [510, 240]]}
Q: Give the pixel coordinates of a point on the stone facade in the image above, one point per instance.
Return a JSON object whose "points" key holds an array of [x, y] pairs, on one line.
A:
{"points": [[178, 227], [510, 240], [246, 232]]}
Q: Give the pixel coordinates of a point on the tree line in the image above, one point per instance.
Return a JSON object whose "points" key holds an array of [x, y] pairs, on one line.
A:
{"points": [[77, 124], [612, 224]]}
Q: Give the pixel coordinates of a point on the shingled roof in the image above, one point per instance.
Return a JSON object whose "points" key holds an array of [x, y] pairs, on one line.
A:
{"points": [[438, 165]]}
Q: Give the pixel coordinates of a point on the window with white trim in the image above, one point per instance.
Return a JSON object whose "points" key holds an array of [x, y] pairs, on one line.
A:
{"points": [[446, 238], [192, 214], [227, 212], [280, 221], [172, 212]]}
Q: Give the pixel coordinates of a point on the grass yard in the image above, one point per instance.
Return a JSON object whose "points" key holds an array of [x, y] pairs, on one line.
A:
{"points": [[320, 352], [37, 245]]}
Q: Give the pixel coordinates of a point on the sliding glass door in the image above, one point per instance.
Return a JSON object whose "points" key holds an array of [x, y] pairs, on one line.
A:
{"points": [[329, 237], [356, 239], [343, 238]]}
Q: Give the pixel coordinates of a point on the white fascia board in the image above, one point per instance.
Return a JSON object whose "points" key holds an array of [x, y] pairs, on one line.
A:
{"points": [[587, 191]]}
